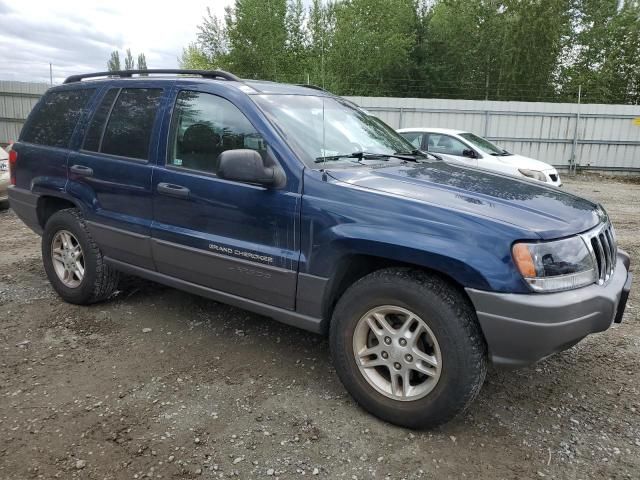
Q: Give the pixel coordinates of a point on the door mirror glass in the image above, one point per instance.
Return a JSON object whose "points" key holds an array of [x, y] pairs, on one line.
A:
{"points": [[467, 152], [247, 166]]}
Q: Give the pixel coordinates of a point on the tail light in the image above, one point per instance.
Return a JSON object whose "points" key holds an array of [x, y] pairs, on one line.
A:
{"points": [[13, 160]]}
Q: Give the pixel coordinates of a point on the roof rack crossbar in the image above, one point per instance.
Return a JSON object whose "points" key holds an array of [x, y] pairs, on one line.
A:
{"points": [[213, 74]]}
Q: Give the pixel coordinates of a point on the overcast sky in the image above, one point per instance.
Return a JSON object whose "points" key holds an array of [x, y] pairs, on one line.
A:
{"points": [[77, 36]]}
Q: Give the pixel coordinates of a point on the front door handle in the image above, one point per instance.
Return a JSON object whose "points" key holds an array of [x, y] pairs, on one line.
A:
{"points": [[173, 190], [82, 171]]}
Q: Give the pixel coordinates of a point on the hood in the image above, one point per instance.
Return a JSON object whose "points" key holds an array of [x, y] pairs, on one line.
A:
{"points": [[546, 211], [520, 161]]}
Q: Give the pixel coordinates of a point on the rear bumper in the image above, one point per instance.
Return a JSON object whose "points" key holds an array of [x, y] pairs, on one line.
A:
{"points": [[25, 205], [522, 329]]}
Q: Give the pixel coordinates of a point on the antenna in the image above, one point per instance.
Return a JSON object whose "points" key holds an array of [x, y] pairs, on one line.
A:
{"points": [[322, 59]]}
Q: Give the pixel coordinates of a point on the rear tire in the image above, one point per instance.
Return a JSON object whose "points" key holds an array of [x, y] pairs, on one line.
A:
{"points": [[417, 377], [73, 262]]}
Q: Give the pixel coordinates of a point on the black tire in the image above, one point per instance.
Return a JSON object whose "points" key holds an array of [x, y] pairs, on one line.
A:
{"points": [[451, 318], [99, 281]]}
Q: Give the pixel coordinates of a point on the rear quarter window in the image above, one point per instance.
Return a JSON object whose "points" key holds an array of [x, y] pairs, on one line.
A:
{"points": [[55, 117]]}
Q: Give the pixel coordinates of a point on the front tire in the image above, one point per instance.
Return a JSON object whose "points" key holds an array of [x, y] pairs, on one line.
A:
{"points": [[73, 262], [407, 346]]}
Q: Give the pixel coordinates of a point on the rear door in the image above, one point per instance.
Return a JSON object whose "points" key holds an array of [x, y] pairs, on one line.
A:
{"points": [[229, 236], [45, 140], [111, 171]]}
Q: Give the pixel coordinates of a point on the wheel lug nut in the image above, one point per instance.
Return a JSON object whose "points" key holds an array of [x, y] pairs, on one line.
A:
{"points": [[387, 340], [385, 355], [403, 342], [408, 358], [397, 366]]}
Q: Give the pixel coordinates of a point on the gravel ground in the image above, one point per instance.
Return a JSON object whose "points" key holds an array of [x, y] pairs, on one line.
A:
{"points": [[157, 383]]}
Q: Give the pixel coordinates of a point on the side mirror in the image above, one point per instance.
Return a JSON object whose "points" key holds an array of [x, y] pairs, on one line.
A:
{"points": [[467, 152], [247, 166]]}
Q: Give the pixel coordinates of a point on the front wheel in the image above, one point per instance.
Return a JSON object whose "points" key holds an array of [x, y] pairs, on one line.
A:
{"points": [[408, 348]]}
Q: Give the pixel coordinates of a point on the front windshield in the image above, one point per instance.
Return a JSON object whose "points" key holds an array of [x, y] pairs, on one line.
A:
{"points": [[483, 144], [319, 127]]}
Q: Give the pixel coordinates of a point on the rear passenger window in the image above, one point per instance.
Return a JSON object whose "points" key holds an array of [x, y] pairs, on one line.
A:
{"points": [[128, 131], [96, 128], [204, 126], [53, 121]]}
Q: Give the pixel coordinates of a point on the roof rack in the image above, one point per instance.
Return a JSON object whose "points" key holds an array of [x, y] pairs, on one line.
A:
{"points": [[314, 87], [213, 74]]}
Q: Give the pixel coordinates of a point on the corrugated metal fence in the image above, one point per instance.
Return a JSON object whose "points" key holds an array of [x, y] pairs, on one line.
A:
{"points": [[16, 101], [599, 137]]}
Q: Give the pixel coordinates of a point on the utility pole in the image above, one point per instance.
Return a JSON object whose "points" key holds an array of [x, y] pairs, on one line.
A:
{"points": [[574, 147], [50, 74]]}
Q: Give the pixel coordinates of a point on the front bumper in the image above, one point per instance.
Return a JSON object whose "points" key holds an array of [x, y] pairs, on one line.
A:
{"points": [[4, 186], [521, 329]]}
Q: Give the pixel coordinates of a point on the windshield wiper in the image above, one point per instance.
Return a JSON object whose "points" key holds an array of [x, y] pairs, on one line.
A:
{"points": [[358, 155], [417, 153], [504, 153], [407, 156]]}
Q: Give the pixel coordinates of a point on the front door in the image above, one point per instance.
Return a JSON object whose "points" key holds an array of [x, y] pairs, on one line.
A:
{"points": [[453, 149], [228, 236]]}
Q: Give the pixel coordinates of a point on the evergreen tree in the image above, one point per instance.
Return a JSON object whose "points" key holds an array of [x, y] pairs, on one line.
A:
{"points": [[142, 62], [128, 60], [113, 64]]}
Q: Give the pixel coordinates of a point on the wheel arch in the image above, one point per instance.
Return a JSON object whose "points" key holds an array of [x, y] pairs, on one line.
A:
{"points": [[353, 266], [49, 204]]}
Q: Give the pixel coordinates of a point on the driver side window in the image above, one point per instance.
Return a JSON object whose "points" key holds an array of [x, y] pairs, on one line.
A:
{"points": [[204, 126], [439, 143]]}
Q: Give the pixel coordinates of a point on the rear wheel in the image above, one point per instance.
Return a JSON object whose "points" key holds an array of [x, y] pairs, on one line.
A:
{"points": [[73, 262], [408, 348]]}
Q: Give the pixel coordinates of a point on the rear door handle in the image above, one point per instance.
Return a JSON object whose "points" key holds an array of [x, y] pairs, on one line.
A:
{"points": [[173, 190], [82, 170]]}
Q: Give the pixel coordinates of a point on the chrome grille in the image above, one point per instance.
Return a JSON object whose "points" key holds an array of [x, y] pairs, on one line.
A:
{"points": [[604, 250]]}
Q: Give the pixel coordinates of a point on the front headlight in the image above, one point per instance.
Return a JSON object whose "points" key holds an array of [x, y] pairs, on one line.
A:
{"points": [[535, 174], [554, 266]]}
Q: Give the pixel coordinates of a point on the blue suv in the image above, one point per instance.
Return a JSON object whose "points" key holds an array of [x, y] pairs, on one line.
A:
{"points": [[296, 204]]}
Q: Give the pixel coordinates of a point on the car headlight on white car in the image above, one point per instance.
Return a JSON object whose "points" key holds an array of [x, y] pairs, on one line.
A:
{"points": [[535, 174], [555, 266]]}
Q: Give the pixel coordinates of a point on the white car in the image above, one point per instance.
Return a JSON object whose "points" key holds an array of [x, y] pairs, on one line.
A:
{"points": [[4, 177], [466, 148]]}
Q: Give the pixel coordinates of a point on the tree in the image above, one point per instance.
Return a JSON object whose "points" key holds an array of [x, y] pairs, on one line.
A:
{"points": [[113, 64], [603, 54], [321, 25], [296, 43], [256, 32], [505, 49], [474, 49], [142, 62], [193, 57], [371, 42], [128, 60]]}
